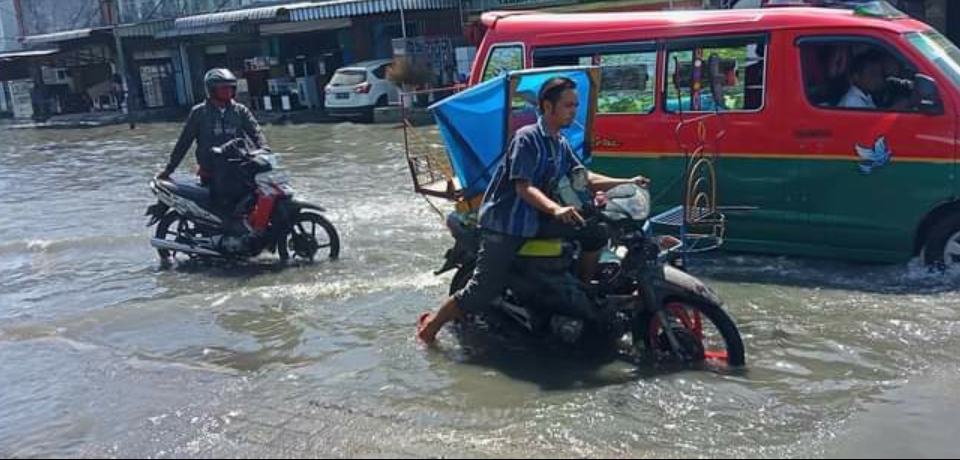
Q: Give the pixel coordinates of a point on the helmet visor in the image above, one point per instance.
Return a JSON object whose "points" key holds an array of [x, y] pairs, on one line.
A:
{"points": [[224, 92]]}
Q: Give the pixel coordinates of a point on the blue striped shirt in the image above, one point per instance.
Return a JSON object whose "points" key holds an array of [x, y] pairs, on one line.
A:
{"points": [[534, 156]]}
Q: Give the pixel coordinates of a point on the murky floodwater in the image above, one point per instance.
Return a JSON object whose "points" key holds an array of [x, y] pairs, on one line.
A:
{"points": [[102, 353]]}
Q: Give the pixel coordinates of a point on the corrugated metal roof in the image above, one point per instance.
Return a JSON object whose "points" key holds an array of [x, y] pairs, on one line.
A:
{"points": [[145, 29], [282, 28], [261, 14], [202, 30], [28, 54], [349, 8], [60, 36]]}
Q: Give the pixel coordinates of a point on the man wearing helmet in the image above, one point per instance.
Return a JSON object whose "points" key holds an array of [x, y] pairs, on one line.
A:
{"points": [[213, 123], [220, 119]]}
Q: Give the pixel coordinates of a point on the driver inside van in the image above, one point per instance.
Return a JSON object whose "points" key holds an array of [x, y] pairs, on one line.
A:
{"points": [[866, 79]]}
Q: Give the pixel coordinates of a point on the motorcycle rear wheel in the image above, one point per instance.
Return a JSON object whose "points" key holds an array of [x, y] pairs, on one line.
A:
{"points": [[172, 227]]}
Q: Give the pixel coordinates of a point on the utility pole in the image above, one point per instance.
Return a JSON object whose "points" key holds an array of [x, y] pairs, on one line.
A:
{"points": [[18, 12], [113, 11], [3, 32]]}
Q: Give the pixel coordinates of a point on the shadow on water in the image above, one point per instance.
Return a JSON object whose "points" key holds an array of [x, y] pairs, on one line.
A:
{"points": [[233, 269], [275, 331], [272, 335], [556, 370]]}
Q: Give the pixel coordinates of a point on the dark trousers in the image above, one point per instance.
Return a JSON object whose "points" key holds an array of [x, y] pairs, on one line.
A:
{"points": [[498, 252]]}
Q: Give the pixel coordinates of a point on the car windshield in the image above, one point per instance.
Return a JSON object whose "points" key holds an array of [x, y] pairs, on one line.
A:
{"points": [[939, 50], [351, 77]]}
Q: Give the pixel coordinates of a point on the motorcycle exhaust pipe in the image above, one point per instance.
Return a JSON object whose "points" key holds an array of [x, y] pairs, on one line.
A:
{"points": [[178, 247]]}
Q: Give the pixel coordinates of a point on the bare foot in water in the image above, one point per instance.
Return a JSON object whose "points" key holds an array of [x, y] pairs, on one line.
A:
{"points": [[424, 333]]}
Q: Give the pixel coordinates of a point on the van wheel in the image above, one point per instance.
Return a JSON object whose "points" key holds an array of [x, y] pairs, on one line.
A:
{"points": [[942, 249], [383, 101]]}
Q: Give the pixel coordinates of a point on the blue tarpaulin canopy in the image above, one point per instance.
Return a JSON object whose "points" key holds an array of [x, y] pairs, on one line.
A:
{"points": [[477, 124]]}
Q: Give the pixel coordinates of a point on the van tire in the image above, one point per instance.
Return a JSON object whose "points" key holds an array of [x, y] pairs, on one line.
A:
{"points": [[943, 233]]}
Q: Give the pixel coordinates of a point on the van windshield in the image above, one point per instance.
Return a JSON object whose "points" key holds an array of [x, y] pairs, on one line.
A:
{"points": [[939, 50]]}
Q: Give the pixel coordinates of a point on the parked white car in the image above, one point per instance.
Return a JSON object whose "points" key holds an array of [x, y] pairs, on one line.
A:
{"points": [[356, 90]]}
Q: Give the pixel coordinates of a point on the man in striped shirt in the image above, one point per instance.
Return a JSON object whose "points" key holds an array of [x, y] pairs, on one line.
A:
{"points": [[518, 206]]}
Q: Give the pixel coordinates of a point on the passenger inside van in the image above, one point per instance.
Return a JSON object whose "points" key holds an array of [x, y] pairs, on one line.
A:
{"points": [[826, 69]]}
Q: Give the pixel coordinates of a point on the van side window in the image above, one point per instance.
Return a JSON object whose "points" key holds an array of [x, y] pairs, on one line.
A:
{"points": [[627, 83], [856, 74], [727, 75], [627, 77], [502, 59]]}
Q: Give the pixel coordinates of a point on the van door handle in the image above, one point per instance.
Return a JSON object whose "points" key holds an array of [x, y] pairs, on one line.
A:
{"points": [[810, 134]]}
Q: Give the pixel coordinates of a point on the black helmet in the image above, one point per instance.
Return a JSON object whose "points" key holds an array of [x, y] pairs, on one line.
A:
{"points": [[217, 78]]}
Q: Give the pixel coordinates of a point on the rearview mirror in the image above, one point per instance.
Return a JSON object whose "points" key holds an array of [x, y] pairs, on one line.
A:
{"points": [[580, 179], [927, 95]]}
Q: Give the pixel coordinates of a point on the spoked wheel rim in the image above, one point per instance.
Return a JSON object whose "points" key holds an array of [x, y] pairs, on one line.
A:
{"points": [[311, 238], [699, 339], [951, 251], [175, 229]]}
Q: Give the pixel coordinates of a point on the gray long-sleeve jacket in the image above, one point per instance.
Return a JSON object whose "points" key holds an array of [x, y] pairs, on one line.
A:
{"points": [[212, 127]]}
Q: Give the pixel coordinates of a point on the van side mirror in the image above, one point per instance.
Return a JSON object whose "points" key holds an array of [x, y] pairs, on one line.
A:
{"points": [[927, 96]]}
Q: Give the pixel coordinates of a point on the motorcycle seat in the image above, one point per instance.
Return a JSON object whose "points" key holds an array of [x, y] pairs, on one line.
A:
{"points": [[194, 193], [541, 248]]}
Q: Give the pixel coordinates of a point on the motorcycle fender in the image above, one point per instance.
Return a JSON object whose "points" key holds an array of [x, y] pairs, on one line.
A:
{"points": [[456, 257], [681, 283], [299, 205], [156, 213]]}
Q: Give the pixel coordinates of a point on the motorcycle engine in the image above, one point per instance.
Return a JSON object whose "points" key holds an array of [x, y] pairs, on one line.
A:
{"points": [[229, 244], [568, 330]]}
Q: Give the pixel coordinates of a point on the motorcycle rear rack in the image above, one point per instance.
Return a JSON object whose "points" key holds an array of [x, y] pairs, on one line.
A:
{"points": [[700, 229]]}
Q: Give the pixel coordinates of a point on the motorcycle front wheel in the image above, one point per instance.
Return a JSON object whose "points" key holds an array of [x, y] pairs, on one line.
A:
{"points": [[311, 237], [704, 333]]}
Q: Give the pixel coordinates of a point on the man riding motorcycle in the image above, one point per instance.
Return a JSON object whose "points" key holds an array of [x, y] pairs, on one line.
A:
{"points": [[220, 119], [518, 206]]}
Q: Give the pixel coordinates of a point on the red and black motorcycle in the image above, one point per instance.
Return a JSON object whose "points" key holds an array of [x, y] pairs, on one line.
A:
{"points": [[190, 222]]}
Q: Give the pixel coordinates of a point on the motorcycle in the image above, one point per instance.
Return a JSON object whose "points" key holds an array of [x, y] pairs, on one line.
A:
{"points": [[642, 305], [641, 296], [270, 218]]}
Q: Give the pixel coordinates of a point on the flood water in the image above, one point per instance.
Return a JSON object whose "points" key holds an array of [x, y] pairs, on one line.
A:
{"points": [[102, 353]]}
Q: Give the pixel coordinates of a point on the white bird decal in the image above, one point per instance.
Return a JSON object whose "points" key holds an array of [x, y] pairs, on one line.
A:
{"points": [[875, 157]]}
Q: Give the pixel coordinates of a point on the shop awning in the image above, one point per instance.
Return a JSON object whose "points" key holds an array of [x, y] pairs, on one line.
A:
{"points": [[202, 30], [282, 28], [27, 54], [61, 36], [145, 29], [262, 14], [349, 8]]}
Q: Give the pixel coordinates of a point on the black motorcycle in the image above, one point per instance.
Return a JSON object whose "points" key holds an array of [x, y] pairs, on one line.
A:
{"points": [[191, 222], [642, 302]]}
